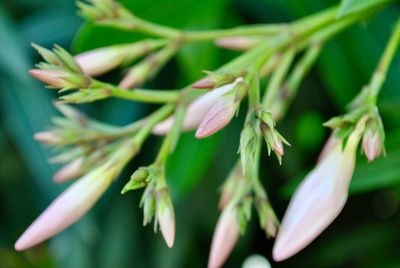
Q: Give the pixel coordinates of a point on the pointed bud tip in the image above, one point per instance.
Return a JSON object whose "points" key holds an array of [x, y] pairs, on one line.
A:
{"points": [[204, 83]]}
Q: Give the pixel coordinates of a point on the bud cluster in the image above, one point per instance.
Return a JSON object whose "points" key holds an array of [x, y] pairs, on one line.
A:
{"points": [[273, 138], [373, 134], [60, 71], [156, 199]]}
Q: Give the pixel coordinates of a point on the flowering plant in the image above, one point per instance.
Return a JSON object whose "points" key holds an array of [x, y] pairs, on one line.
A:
{"points": [[280, 55]]}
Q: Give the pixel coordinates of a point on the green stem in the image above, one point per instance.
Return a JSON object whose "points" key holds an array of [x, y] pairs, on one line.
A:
{"points": [[171, 140], [277, 78], [151, 121], [379, 76], [272, 29], [142, 95], [290, 87]]}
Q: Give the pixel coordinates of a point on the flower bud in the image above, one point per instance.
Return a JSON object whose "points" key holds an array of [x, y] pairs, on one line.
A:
{"points": [[101, 60], [225, 236], [268, 220], [215, 80], [138, 180], [239, 43], [222, 112], [318, 200], [47, 137], [374, 136], [197, 110], [67, 208], [372, 144], [248, 145], [234, 184], [148, 203], [137, 75], [53, 78], [69, 171], [166, 216]]}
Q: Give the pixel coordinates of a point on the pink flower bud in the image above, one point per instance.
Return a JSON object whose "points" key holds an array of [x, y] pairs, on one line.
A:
{"points": [[239, 43], [204, 83], [67, 208], [54, 78], [196, 111], [220, 114], [372, 144], [166, 219], [100, 60], [226, 235], [329, 145], [317, 201], [47, 137], [70, 171]]}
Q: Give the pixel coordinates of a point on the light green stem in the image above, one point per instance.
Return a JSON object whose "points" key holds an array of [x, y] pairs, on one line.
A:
{"points": [[172, 137], [379, 76]]}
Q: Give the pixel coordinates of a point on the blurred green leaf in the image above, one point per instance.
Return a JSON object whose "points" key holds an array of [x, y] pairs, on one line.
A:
{"points": [[348, 7], [189, 163]]}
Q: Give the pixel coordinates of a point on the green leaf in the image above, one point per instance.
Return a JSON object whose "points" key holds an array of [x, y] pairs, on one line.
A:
{"points": [[190, 161], [348, 7]]}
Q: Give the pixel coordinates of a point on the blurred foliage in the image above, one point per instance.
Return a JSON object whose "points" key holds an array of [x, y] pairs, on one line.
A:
{"points": [[111, 235]]}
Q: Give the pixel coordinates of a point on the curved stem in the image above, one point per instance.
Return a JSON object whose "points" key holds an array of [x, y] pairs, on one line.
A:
{"points": [[379, 76]]}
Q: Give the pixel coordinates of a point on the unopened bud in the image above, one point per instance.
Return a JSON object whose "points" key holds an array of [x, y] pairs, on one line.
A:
{"points": [[138, 180], [53, 78], [273, 138], [239, 43], [224, 239], [372, 144], [69, 171], [215, 80], [166, 216], [222, 112], [47, 137], [137, 75], [248, 145], [267, 217]]}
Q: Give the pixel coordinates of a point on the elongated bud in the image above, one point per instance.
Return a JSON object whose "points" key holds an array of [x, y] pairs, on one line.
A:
{"points": [[374, 137], [139, 179], [47, 137], [101, 60], [166, 216], [222, 112], [372, 144], [332, 142], [239, 43], [215, 80], [54, 78], [72, 204], [225, 237], [273, 138], [69, 171], [196, 111], [268, 220], [234, 185], [148, 203], [318, 200], [147, 68], [248, 145], [137, 75]]}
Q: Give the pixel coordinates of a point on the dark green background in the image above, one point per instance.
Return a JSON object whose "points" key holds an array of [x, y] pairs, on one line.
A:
{"points": [[366, 234]]}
